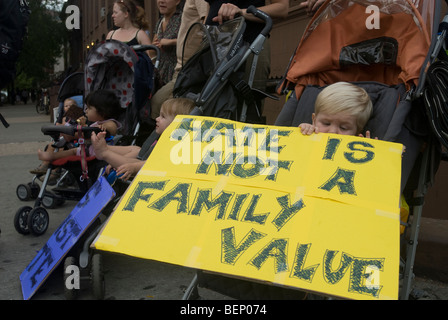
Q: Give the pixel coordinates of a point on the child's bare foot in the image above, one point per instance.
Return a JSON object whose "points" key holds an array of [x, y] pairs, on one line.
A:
{"points": [[99, 144], [44, 156]]}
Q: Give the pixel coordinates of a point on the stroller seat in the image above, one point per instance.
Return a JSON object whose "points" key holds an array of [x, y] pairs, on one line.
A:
{"points": [[64, 161]]}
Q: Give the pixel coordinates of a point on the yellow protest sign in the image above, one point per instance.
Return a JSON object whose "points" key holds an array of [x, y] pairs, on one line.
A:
{"points": [[318, 213]]}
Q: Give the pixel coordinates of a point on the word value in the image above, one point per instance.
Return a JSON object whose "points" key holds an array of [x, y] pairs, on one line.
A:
{"points": [[364, 274]]}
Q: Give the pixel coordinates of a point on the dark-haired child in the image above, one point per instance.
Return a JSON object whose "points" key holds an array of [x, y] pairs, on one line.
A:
{"points": [[102, 109]]}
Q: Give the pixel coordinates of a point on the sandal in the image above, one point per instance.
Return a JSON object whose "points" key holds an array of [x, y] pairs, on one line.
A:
{"points": [[41, 169]]}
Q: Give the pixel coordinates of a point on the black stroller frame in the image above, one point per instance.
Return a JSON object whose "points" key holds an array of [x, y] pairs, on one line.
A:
{"points": [[224, 72]]}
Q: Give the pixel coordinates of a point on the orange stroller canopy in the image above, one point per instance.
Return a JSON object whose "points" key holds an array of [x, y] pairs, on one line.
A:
{"points": [[343, 43]]}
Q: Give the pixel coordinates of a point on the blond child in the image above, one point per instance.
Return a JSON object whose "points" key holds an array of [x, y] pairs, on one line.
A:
{"points": [[344, 108], [341, 108], [128, 160]]}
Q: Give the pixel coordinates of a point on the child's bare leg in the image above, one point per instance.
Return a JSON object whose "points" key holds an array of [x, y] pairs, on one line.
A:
{"points": [[103, 151], [132, 151], [128, 151], [99, 144]]}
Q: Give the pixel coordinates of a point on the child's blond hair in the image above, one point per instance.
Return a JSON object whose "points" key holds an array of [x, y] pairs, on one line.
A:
{"points": [[174, 106], [347, 98]]}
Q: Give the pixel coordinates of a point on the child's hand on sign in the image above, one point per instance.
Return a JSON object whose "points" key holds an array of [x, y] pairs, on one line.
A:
{"points": [[367, 135], [307, 128]]}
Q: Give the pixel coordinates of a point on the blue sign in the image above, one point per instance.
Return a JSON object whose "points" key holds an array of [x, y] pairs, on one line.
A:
{"points": [[66, 236]]}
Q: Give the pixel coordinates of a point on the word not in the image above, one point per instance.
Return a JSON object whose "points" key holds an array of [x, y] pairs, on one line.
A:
{"points": [[226, 144]]}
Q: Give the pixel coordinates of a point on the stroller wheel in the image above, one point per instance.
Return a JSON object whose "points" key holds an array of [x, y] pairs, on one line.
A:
{"points": [[70, 289], [38, 221], [21, 220], [97, 277], [49, 201], [24, 192]]}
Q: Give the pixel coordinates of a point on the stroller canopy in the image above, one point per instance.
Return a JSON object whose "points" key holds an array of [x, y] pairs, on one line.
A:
{"points": [[213, 65], [222, 40], [349, 47], [73, 85], [110, 65]]}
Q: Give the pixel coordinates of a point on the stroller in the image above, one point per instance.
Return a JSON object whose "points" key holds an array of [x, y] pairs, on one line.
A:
{"points": [[388, 62], [109, 65], [81, 254], [129, 72], [72, 86], [214, 78]]}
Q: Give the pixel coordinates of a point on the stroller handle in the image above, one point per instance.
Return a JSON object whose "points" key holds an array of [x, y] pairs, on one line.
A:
{"points": [[146, 47], [263, 16], [55, 130]]}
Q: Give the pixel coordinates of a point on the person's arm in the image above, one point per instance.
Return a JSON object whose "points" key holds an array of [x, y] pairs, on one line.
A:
{"points": [[202, 8], [277, 9], [129, 170], [144, 39], [110, 127], [167, 42], [311, 6]]}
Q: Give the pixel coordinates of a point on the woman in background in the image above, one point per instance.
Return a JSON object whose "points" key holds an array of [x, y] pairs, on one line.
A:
{"points": [[131, 22], [165, 38]]}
